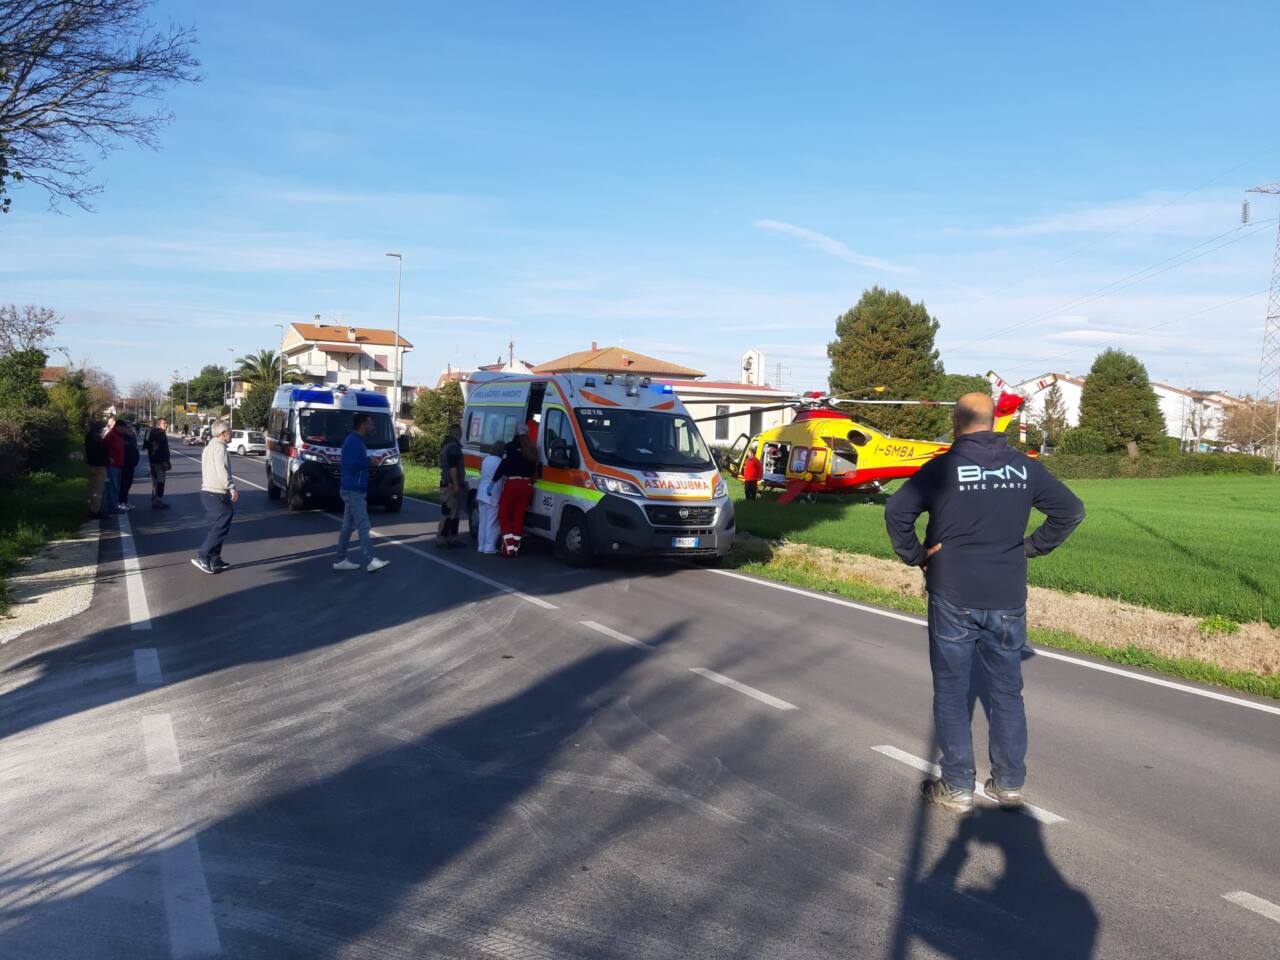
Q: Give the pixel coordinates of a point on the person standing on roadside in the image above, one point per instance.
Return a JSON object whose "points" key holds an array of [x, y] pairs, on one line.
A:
{"points": [[979, 496], [453, 488], [489, 494], [95, 458], [131, 459], [113, 442], [218, 492], [355, 496], [157, 444], [517, 470]]}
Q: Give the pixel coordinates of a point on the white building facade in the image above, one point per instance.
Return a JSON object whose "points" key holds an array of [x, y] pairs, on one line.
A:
{"points": [[1194, 418], [362, 357]]}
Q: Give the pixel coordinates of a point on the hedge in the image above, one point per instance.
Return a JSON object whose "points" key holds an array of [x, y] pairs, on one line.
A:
{"points": [[1071, 466], [33, 438]]}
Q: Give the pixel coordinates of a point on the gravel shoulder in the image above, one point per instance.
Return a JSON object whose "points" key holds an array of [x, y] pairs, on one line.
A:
{"points": [[55, 584]]}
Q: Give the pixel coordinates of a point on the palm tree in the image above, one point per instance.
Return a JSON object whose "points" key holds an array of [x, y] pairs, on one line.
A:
{"points": [[263, 369]]}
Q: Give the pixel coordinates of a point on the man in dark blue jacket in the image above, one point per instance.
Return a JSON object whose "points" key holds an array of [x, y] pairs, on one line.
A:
{"points": [[355, 496], [979, 496]]}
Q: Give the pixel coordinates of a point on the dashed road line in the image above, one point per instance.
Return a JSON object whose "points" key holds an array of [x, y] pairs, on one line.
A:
{"points": [[139, 612], [146, 666], [752, 692], [614, 634], [924, 766], [1264, 908], [161, 747], [1039, 651], [187, 907]]}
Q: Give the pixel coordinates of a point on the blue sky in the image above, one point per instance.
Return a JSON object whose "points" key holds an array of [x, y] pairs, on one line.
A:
{"points": [[691, 179]]}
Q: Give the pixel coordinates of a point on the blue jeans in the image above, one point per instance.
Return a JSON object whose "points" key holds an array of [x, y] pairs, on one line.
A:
{"points": [[219, 510], [111, 490], [998, 637], [355, 515]]}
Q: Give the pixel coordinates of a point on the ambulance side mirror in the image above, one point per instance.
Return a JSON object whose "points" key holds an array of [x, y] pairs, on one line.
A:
{"points": [[403, 443], [560, 455]]}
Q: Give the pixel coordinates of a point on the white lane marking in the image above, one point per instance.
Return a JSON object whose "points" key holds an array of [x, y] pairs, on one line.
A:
{"points": [[610, 632], [786, 588], [458, 568], [1259, 906], [146, 666], [1039, 651], [743, 688], [160, 745], [139, 612], [187, 907], [924, 766]]}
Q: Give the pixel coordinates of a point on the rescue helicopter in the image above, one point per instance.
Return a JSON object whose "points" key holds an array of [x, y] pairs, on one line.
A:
{"points": [[825, 450]]}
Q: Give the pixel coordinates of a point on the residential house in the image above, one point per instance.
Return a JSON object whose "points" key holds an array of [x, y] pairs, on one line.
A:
{"points": [[363, 357], [51, 375], [1194, 417]]}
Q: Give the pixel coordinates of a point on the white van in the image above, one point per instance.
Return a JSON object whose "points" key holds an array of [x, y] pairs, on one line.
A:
{"points": [[305, 431], [622, 466]]}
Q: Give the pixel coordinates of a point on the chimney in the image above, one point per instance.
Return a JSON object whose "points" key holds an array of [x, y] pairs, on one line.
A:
{"points": [[317, 319], [594, 346], [351, 334]]}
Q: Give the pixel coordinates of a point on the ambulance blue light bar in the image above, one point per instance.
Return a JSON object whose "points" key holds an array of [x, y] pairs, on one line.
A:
{"points": [[364, 398]]}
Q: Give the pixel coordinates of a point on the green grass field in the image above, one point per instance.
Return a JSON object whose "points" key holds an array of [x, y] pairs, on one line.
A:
{"points": [[38, 508], [1194, 545], [422, 482]]}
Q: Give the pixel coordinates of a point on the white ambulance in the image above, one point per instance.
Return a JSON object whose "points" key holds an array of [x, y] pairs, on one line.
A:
{"points": [[305, 431], [622, 468]]}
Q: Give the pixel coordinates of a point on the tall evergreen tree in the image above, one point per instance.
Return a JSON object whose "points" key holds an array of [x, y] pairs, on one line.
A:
{"points": [[1118, 403], [887, 341], [1053, 421]]}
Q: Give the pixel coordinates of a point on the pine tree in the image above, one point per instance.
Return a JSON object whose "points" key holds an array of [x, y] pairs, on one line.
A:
{"points": [[887, 341], [1117, 402], [1053, 421]]}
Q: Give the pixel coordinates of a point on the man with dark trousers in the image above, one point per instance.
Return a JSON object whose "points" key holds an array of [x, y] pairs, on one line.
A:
{"points": [[979, 496], [219, 495], [157, 444]]}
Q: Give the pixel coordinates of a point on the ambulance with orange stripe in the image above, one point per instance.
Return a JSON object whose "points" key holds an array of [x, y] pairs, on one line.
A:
{"points": [[622, 467]]}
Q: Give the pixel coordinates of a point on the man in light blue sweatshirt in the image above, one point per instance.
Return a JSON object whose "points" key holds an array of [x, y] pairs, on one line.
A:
{"points": [[355, 493]]}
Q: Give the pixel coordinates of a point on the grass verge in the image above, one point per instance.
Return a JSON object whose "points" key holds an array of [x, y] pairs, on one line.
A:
{"points": [[38, 507], [757, 560], [422, 482]]}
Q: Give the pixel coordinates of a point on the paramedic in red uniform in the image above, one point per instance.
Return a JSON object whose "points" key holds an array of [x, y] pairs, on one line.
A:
{"points": [[517, 469], [752, 474]]}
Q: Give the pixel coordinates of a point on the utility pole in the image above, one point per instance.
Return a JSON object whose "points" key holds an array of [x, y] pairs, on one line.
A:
{"points": [[395, 416], [1268, 394]]}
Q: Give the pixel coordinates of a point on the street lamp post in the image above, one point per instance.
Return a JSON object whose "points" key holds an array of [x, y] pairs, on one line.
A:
{"points": [[395, 417], [280, 358], [231, 389]]}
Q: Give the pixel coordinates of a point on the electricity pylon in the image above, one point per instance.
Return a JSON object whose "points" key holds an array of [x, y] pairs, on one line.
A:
{"points": [[1268, 395]]}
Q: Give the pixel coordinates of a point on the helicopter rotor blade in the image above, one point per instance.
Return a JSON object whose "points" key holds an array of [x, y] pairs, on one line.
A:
{"points": [[899, 403], [744, 413]]}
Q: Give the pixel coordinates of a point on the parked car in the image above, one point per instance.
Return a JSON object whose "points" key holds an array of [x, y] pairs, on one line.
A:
{"points": [[244, 442]]}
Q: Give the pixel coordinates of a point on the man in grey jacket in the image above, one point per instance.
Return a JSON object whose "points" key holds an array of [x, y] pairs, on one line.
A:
{"points": [[218, 493]]}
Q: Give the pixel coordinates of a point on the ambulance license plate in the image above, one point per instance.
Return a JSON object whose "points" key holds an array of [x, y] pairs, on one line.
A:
{"points": [[686, 543]]}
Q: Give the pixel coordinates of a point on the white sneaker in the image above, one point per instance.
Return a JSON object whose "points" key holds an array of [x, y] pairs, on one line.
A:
{"points": [[346, 565], [376, 564]]}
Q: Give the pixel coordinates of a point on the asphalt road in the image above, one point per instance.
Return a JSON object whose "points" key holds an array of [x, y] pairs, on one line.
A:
{"points": [[466, 756]]}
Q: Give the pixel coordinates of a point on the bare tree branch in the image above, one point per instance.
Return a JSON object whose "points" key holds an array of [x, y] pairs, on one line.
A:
{"points": [[77, 75], [28, 328]]}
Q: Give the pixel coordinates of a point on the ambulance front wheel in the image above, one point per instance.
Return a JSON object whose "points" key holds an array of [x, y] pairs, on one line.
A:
{"points": [[573, 543], [473, 519], [273, 492]]}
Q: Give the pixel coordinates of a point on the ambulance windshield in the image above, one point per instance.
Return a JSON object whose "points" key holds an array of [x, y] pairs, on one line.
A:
{"points": [[643, 439], [329, 428]]}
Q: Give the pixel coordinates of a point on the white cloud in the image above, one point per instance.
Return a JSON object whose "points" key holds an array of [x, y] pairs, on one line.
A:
{"points": [[830, 246]]}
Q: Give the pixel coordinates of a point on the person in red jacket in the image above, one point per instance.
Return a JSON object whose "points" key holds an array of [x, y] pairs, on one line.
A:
{"points": [[752, 474], [113, 442], [518, 469]]}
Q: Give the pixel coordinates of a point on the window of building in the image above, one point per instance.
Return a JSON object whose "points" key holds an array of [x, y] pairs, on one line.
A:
{"points": [[722, 426]]}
